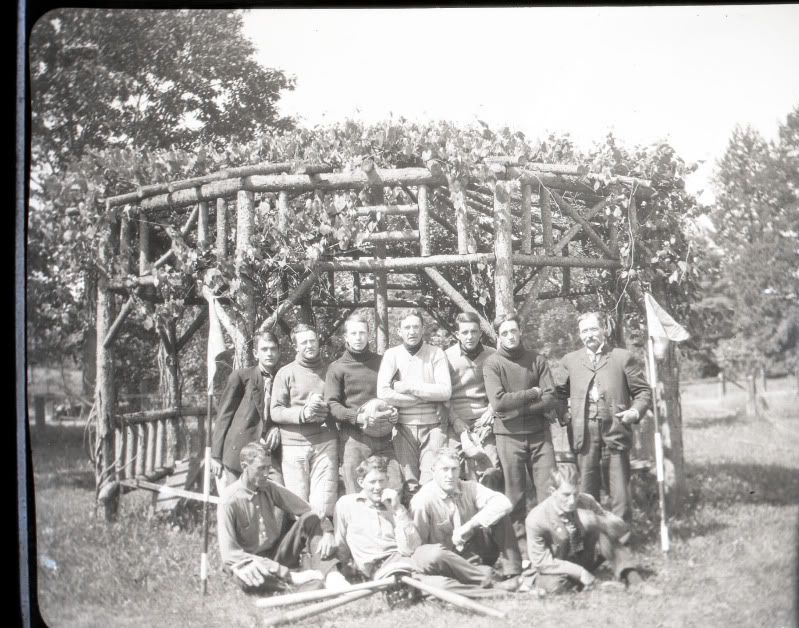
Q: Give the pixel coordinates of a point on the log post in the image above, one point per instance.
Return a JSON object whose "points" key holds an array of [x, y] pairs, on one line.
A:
{"points": [[244, 297], [671, 431], [527, 219], [458, 195], [39, 411], [546, 219], [283, 212], [503, 249], [221, 228], [381, 284], [722, 385], [144, 244], [141, 451], [424, 222], [202, 224], [124, 242], [173, 400], [149, 463], [105, 391], [751, 396]]}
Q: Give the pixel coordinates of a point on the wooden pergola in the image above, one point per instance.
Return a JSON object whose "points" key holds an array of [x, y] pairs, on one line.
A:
{"points": [[531, 225]]}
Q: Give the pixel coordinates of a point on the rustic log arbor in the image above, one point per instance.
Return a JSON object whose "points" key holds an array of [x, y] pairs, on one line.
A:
{"points": [[537, 211]]}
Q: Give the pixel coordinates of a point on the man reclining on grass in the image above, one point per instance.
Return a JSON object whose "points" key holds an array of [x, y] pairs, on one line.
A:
{"points": [[376, 530], [569, 535], [259, 554]]}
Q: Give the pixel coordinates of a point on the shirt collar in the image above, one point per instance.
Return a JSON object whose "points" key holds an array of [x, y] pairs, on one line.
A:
{"points": [[444, 495], [248, 492], [599, 351], [360, 497]]}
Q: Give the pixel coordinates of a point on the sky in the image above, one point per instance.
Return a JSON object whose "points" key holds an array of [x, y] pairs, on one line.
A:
{"points": [[685, 74]]}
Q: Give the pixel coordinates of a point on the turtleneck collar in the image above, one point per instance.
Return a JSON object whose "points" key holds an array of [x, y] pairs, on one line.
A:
{"points": [[413, 350], [512, 354], [474, 352], [359, 356], [310, 364]]}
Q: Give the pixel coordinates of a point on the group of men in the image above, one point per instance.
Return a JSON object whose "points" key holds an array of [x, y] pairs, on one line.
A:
{"points": [[436, 448]]}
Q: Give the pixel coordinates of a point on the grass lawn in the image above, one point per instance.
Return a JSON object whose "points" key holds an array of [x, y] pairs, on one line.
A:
{"points": [[733, 558]]}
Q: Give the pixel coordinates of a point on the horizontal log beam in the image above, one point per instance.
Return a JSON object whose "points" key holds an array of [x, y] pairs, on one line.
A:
{"points": [[535, 261], [370, 265], [393, 286], [558, 294], [362, 304], [168, 491], [387, 210], [228, 173], [521, 161], [387, 236], [147, 416], [294, 183]]}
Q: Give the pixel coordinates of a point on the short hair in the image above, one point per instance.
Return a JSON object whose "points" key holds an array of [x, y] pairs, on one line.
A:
{"points": [[504, 318], [445, 453], [466, 317], [252, 452], [299, 328], [565, 474], [356, 318], [412, 312], [264, 334], [599, 316], [372, 463]]}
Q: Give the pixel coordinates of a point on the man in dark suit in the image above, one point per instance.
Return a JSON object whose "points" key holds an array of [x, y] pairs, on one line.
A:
{"points": [[243, 414], [607, 393]]}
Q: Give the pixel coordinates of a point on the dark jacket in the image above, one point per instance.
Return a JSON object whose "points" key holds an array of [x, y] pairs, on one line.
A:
{"points": [[622, 386]]}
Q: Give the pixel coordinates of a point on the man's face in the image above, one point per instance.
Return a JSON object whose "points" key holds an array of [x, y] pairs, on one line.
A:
{"points": [[267, 353], [356, 335], [592, 333], [509, 335], [469, 335], [256, 473], [446, 473], [307, 344], [373, 483], [410, 330], [566, 497]]}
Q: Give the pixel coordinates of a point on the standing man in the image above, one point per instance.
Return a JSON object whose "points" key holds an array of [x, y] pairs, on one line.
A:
{"points": [[468, 403], [465, 528], [519, 385], [260, 552], [607, 393], [569, 535], [307, 432], [414, 378], [352, 382], [243, 415]]}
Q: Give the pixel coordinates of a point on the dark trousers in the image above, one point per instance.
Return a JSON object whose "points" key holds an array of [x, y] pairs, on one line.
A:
{"points": [[589, 461], [519, 456], [598, 547], [302, 537], [359, 448]]}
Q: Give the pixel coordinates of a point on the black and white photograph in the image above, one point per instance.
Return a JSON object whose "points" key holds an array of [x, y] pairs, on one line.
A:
{"points": [[377, 317]]}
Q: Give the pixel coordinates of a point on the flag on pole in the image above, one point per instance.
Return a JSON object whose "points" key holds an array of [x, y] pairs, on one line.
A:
{"points": [[661, 324], [216, 342]]}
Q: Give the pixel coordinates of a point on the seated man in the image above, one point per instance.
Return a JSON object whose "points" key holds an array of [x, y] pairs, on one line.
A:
{"points": [[253, 547], [468, 525], [377, 532], [569, 535]]}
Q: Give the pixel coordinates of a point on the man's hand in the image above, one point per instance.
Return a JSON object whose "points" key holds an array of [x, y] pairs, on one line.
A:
{"points": [[536, 392], [327, 545], [461, 534], [390, 498], [586, 578], [252, 574], [628, 416], [272, 440], [301, 577], [394, 416], [401, 387], [458, 426], [216, 467]]}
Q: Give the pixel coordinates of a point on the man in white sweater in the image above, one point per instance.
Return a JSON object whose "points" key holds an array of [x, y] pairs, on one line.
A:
{"points": [[414, 378]]}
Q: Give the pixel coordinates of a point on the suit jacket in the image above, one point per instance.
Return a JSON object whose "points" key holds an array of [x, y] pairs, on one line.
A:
{"points": [[621, 384], [241, 417]]}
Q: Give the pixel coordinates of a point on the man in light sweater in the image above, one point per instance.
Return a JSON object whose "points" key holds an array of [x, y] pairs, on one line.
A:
{"points": [[352, 382], [307, 431], [519, 385], [468, 404], [414, 377]]}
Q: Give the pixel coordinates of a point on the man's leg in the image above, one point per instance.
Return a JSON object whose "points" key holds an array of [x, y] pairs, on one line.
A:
{"points": [[512, 453], [436, 560], [492, 478], [303, 535], [542, 457], [297, 469], [588, 461], [431, 439], [355, 453], [619, 477], [496, 543], [323, 474], [383, 447], [406, 450]]}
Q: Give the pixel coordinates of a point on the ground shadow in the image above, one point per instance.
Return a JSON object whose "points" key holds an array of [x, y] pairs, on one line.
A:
{"points": [[705, 422]]}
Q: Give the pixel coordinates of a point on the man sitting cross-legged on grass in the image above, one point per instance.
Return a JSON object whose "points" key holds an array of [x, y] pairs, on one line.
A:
{"points": [[569, 535], [375, 529], [254, 548], [468, 525]]}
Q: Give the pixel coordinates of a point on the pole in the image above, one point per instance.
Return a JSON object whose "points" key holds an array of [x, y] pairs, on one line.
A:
{"points": [[456, 599], [315, 609], [206, 495], [288, 599], [664, 530]]}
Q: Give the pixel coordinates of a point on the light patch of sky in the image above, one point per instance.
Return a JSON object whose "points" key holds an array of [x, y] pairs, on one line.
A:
{"points": [[685, 74]]}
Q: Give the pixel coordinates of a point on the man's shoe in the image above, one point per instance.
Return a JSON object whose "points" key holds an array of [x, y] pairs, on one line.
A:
{"points": [[510, 585], [335, 581]]}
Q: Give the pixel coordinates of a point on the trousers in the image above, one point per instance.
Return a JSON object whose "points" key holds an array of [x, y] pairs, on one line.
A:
{"points": [[589, 461], [414, 448], [311, 472], [356, 450]]}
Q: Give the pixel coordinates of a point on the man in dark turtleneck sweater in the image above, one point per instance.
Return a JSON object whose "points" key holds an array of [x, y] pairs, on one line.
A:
{"points": [[351, 382], [308, 435], [518, 381]]}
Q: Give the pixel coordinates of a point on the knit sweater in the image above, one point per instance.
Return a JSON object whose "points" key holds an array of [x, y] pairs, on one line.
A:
{"points": [[294, 384], [510, 379], [426, 375], [351, 382], [468, 400]]}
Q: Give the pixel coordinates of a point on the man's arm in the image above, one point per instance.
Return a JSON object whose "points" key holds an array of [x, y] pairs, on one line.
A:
{"points": [[540, 554], [504, 401], [405, 532], [639, 389], [421, 518], [342, 515], [441, 388], [547, 398], [228, 404], [334, 395], [229, 548], [281, 408], [491, 505], [388, 367]]}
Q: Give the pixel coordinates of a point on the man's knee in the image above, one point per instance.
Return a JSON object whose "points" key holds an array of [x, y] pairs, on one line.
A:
{"points": [[309, 522], [429, 558], [552, 584]]}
